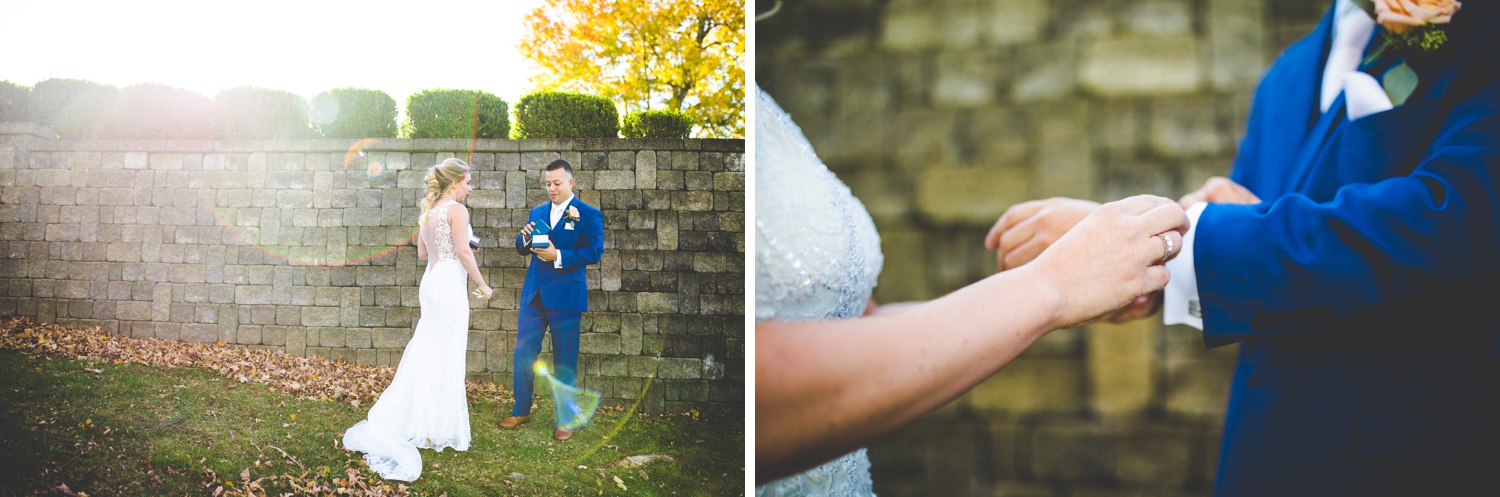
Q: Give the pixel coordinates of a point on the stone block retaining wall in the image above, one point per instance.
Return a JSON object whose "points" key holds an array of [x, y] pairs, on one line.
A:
{"points": [[304, 246]]}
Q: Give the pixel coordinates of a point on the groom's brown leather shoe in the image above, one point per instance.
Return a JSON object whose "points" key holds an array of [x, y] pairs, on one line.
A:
{"points": [[562, 433], [510, 422]]}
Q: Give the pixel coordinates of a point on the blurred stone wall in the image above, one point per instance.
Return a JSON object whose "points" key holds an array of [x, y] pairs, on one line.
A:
{"points": [[924, 106], [303, 246]]}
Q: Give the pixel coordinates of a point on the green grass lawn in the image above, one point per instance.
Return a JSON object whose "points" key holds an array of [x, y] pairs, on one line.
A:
{"points": [[106, 429]]}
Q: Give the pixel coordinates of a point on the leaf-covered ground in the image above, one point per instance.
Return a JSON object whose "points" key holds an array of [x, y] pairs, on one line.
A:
{"points": [[86, 412]]}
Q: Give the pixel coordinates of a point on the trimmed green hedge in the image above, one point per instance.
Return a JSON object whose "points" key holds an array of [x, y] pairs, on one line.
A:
{"points": [[457, 114], [74, 108], [259, 114], [354, 113], [550, 114], [656, 124], [157, 111], [13, 102]]}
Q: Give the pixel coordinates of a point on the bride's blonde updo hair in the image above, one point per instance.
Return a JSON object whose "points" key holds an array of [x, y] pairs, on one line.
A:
{"points": [[440, 180]]}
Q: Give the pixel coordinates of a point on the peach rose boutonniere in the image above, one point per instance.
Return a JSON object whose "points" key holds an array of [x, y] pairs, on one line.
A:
{"points": [[572, 214], [1417, 23], [1411, 26], [1413, 23]]}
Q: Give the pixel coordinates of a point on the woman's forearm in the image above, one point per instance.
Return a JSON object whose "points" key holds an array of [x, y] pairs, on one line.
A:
{"points": [[824, 388], [892, 308]]}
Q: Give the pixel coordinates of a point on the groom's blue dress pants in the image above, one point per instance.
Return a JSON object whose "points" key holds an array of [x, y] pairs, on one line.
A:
{"points": [[534, 320]]}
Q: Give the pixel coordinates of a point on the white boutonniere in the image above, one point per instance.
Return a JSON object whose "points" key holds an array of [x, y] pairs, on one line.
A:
{"points": [[1411, 26]]}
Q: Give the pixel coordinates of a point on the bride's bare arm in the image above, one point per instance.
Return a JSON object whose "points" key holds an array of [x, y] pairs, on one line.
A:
{"points": [[874, 309], [823, 388], [459, 220]]}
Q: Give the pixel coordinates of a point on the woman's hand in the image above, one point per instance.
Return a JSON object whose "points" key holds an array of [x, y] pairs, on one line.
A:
{"points": [[1028, 228], [1112, 256], [485, 292]]}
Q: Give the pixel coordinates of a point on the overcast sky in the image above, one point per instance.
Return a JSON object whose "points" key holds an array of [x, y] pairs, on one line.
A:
{"points": [[304, 47]]}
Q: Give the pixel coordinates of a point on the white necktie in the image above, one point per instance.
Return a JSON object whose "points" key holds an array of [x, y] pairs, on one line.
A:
{"points": [[1351, 32]]}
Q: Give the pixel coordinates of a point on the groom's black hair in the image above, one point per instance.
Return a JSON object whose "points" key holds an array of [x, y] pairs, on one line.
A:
{"points": [[561, 164]]}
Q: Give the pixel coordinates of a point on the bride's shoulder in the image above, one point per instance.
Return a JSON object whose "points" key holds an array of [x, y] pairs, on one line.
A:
{"points": [[456, 211], [786, 164]]}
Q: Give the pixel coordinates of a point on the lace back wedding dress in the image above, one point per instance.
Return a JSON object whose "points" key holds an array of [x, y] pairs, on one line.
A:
{"points": [[425, 405], [817, 256]]}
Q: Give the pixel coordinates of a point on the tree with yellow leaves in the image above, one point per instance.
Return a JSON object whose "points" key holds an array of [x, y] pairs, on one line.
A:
{"points": [[682, 55]]}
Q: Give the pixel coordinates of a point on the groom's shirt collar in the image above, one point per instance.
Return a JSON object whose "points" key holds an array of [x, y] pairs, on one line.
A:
{"points": [[559, 209]]}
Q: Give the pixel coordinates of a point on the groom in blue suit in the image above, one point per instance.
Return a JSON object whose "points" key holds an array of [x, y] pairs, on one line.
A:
{"points": [[1369, 360], [1351, 253], [554, 295]]}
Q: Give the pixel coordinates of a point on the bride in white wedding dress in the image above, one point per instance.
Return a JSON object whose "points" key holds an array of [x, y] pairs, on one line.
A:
{"points": [[832, 374], [425, 406]]}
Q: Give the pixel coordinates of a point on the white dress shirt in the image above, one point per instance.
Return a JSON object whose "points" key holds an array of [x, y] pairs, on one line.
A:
{"points": [[1363, 95], [557, 213]]}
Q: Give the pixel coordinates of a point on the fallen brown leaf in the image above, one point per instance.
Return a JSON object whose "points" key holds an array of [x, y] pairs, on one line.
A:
{"points": [[302, 377]]}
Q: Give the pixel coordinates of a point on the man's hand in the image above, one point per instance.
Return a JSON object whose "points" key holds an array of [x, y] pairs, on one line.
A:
{"points": [[1028, 228], [1219, 190], [526, 232], [1142, 307], [548, 254]]}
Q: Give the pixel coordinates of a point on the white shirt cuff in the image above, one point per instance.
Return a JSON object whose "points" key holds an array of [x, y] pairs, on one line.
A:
{"points": [[1181, 304], [558, 263]]}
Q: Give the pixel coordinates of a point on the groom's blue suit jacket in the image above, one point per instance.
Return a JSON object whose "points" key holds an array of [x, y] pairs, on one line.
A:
{"points": [[1362, 290], [563, 289]]}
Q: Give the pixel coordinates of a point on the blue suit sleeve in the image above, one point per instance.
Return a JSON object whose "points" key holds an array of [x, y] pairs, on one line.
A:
{"points": [[522, 247], [1293, 264], [591, 244]]}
